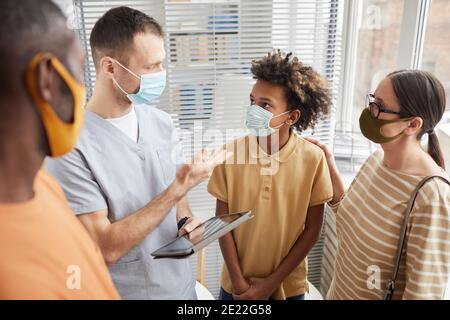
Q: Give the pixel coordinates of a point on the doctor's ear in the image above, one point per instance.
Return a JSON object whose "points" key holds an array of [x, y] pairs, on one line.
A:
{"points": [[414, 126], [107, 66]]}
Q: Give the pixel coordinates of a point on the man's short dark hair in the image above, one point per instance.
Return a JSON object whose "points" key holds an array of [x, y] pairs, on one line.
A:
{"points": [[114, 32], [28, 27]]}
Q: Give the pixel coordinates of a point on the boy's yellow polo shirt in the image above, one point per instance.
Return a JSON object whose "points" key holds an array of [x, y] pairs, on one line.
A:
{"points": [[278, 189]]}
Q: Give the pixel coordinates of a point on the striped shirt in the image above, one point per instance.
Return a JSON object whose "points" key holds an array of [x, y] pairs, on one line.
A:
{"points": [[368, 222]]}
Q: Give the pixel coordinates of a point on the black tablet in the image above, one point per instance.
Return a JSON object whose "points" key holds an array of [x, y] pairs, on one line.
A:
{"points": [[210, 230]]}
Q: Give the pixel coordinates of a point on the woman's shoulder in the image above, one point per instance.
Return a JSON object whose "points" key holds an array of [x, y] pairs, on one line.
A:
{"points": [[373, 162], [377, 154], [435, 193]]}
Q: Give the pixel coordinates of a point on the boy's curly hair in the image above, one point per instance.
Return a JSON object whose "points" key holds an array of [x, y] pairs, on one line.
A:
{"points": [[306, 91]]}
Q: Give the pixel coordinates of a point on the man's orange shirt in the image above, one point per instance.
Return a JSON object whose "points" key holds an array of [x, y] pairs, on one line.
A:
{"points": [[45, 252]]}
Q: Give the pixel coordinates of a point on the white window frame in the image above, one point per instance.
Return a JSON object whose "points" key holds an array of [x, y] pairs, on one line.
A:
{"points": [[412, 36]]}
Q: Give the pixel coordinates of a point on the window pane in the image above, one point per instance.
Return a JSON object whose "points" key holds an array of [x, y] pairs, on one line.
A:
{"points": [[436, 57], [378, 43], [378, 46]]}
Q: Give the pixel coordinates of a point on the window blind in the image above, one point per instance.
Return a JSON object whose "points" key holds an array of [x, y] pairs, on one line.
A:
{"points": [[210, 45]]}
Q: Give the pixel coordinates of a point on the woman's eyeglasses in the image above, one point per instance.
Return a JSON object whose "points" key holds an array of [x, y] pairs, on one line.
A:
{"points": [[376, 107]]}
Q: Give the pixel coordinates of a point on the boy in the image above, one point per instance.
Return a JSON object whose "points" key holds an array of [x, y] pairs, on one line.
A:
{"points": [[284, 180]]}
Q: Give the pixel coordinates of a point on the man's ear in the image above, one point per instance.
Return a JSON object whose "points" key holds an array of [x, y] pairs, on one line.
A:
{"points": [[53, 89], [294, 116], [44, 78], [107, 66], [414, 126]]}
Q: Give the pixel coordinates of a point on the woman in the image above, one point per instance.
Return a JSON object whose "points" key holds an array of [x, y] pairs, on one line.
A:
{"points": [[406, 106]]}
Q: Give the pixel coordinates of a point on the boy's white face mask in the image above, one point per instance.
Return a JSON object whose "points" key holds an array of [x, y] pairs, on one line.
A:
{"points": [[258, 121]]}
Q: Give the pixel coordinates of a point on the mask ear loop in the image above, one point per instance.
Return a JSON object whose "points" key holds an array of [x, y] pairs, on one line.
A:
{"points": [[134, 74], [115, 81], [279, 115], [403, 131], [118, 86], [67, 78]]}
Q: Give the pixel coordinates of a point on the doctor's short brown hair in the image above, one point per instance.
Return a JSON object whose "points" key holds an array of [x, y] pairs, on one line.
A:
{"points": [[113, 34]]}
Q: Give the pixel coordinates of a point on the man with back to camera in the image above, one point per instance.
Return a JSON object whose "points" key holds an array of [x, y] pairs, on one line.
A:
{"points": [[45, 253]]}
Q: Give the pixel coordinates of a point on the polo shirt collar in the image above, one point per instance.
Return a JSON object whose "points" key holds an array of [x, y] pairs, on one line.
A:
{"points": [[283, 155]]}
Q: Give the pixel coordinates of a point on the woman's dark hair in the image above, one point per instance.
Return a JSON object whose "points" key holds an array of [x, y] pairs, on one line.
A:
{"points": [[306, 90], [421, 94]]}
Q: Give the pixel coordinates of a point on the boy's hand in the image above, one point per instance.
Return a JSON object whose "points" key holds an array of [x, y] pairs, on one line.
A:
{"points": [[260, 289], [243, 286]]}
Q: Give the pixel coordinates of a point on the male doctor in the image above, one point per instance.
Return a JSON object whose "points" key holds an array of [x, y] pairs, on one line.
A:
{"points": [[121, 180]]}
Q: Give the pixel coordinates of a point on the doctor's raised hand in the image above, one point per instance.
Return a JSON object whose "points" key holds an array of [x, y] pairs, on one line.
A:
{"points": [[191, 174], [198, 169]]}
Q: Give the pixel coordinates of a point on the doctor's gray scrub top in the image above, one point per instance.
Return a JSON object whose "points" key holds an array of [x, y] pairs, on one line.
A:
{"points": [[108, 170]]}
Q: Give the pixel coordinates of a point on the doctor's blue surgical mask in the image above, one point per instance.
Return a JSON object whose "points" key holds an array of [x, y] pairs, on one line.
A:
{"points": [[151, 86], [258, 121]]}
